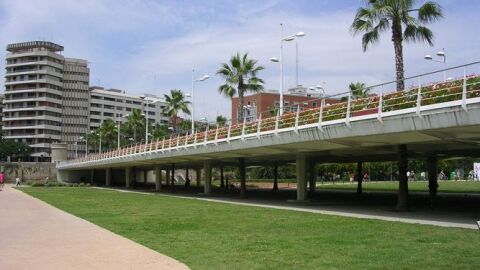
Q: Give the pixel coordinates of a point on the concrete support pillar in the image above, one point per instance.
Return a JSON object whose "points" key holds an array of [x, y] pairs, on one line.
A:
{"points": [[312, 175], [158, 178], [128, 177], [432, 179], [172, 179], [198, 173], [145, 176], [167, 172], [301, 169], [92, 173], [402, 201], [108, 177], [359, 177], [222, 182], [275, 177], [243, 184], [207, 174]]}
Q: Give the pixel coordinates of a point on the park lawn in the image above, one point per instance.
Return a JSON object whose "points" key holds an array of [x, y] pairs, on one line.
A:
{"points": [[210, 235], [443, 186]]}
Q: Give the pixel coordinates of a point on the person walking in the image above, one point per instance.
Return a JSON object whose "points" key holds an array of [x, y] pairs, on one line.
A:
{"points": [[17, 181], [2, 180]]}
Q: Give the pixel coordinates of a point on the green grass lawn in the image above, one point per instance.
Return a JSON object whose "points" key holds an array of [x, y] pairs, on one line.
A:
{"points": [[444, 186], [209, 235]]}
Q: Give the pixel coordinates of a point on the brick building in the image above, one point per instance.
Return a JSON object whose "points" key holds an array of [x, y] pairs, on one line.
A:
{"points": [[265, 103]]}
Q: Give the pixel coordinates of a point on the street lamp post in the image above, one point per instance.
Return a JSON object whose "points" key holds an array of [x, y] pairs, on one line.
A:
{"points": [[442, 55], [280, 61], [146, 117], [118, 130], [205, 77]]}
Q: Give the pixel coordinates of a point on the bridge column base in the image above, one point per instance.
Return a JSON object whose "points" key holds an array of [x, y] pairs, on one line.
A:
{"points": [[402, 201], [207, 174], [108, 177], [301, 169], [158, 178], [128, 178]]}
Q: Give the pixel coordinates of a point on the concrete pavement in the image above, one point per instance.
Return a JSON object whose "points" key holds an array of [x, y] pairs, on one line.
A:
{"points": [[35, 235]]}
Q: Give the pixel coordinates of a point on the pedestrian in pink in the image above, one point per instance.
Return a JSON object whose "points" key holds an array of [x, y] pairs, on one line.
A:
{"points": [[2, 179]]}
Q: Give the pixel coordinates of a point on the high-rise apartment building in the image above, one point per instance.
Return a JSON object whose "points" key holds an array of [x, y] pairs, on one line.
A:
{"points": [[1, 112], [115, 104], [45, 97]]}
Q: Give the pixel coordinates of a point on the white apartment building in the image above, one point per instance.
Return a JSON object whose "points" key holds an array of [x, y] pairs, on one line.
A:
{"points": [[46, 96], [115, 104]]}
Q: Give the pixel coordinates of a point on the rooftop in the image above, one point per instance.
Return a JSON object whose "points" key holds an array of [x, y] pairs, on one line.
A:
{"points": [[34, 44]]}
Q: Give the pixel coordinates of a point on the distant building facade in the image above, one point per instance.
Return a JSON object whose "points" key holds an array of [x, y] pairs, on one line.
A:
{"points": [[1, 112], [267, 103], [41, 94], [115, 104]]}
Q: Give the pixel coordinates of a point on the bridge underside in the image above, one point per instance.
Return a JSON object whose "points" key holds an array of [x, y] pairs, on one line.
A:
{"points": [[438, 133]]}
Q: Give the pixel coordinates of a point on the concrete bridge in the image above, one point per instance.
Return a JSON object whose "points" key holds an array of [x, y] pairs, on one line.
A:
{"points": [[429, 121]]}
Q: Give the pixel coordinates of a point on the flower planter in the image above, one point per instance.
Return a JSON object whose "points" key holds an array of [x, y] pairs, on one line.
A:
{"points": [[365, 112]]}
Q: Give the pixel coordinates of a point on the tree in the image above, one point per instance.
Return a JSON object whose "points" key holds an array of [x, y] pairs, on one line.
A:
{"points": [[358, 90], [93, 139], [134, 125], [381, 15], [240, 75], [11, 148], [186, 125], [221, 120], [176, 103], [108, 131], [160, 132]]}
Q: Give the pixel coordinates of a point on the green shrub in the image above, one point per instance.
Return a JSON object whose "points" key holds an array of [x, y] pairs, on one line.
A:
{"points": [[38, 184], [81, 184]]}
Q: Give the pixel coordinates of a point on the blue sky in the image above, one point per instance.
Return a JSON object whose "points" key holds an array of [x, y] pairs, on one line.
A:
{"points": [[152, 46]]}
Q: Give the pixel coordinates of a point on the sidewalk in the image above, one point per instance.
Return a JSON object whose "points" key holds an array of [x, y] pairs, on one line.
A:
{"points": [[35, 235]]}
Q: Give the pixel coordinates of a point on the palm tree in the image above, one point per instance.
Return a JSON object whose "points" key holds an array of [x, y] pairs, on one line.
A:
{"points": [[240, 75], [358, 90], [108, 131], [380, 15], [160, 132], [175, 103], [93, 139], [221, 120], [134, 124]]}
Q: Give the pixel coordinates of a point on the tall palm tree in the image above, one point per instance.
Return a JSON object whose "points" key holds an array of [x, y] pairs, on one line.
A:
{"points": [[358, 90], [381, 15], [108, 131], [221, 120], [176, 103], [240, 75], [134, 124]]}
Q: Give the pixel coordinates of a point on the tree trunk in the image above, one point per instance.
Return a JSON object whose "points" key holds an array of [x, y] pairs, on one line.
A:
{"points": [[397, 40], [241, 111]]}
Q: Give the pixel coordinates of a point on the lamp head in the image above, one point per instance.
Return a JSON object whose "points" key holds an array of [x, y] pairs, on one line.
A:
{"points": [[205, 77], [274, 59], [289, 38], [441, 53], [300, 34], [428, 57]]}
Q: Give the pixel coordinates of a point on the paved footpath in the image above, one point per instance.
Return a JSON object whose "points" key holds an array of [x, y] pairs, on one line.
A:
{"points": [[35, 235]]}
